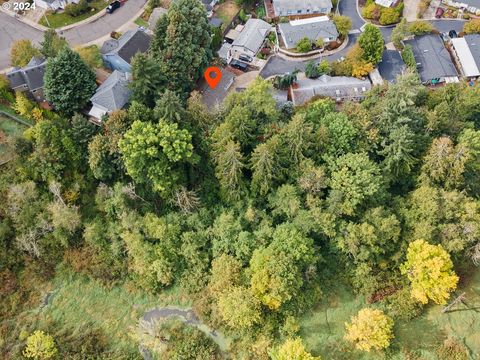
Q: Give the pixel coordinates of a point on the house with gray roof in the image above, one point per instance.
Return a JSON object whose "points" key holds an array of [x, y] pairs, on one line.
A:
{"points": [[54, 4], [112, 95], [339, 88], [250, 40], [301, 7], [473, 42], [468, 65], [434, 64], [118, 54], [29, 79], [320, 27]]}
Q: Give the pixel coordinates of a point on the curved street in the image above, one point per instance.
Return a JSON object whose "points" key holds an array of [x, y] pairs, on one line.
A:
{"points": [[12, 29]]}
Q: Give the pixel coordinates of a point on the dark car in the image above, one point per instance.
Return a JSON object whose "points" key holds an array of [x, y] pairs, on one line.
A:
{"points": [[239, 65], [453, 34], [245, 57], [113, 6]]}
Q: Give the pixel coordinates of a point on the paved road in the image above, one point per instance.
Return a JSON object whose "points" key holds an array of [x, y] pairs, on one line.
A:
{"points": [[12, 29]]}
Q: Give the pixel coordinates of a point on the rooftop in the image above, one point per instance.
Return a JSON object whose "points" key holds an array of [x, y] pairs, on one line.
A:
{"points": [[127, 45], [465, 57], [473, 42], [433, 59], [253, 35], [291, 7], [313, 28], [31, 76], [337, 87], [114, 93]]}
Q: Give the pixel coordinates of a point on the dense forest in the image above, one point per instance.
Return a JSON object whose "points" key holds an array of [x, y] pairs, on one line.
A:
{"points": [[252, 212]]}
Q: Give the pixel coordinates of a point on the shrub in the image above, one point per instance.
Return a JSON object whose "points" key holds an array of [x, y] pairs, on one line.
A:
{"points": [[76, 9], [389, 16], [311, 70], [40, 346], [420, 28], [304, 45], [371, 11], [472, 27], [408, 57], [401, 306]]}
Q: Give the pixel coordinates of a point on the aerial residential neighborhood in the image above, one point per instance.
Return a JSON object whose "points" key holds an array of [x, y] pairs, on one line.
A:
{"points": [[240, 179]]}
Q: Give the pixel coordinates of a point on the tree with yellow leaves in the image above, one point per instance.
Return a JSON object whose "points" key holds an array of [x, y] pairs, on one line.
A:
{"points": [[40, 346], [370, 328], [292, 349], [430, 271]]}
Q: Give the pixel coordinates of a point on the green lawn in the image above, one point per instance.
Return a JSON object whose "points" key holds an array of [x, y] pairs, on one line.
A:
{"points": [[62, 19], [8, 128], [323, 329], [260, 11], [227, 11], [141, 22], [78, 301]]}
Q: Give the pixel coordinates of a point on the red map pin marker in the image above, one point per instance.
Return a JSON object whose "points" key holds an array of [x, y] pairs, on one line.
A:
{"points": [[213, 75]]}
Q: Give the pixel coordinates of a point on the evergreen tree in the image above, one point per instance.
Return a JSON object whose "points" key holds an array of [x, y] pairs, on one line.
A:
{"points": [[69, 82]]}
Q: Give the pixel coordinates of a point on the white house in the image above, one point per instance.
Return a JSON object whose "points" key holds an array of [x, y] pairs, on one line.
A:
{"points": [[250, 40], [54, 4], [301, 7]]}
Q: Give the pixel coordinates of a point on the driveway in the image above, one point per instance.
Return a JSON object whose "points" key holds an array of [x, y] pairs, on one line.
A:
{"points": [[12, 29], [349, 8]]}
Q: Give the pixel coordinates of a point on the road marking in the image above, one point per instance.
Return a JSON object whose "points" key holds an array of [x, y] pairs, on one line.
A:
{"points": [[356, 31]]}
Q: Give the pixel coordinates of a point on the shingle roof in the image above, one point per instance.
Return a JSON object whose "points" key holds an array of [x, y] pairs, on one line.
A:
{"points": [[473, 42], [30, 76], [433, 59], [330, 86], [127, 45], [391, 65], [114, 93], [253, 35], [284, 6], [465, 57], [321, 28]]}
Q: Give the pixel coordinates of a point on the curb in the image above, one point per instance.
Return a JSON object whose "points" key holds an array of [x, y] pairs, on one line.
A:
{"points": [[25, 21], [92, 18]]}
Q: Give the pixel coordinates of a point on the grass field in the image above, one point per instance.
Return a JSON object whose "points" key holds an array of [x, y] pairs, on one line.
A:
{"points": [[227, 11], [8, 128], [323, 329], [77, 301], [62, 19]]}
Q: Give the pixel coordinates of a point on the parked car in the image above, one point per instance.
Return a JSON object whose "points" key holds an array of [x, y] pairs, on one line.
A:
{"points": [[113, 6], [453, 34], [239, 65], [439, 13], [245, 57]]}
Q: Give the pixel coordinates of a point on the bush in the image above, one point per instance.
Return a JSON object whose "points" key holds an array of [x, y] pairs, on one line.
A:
{"points": [[408, 58], [304, 45], [371, 11], [420, 28], [5, 93], [77, 9], [401, 306], [472, 27], [311, 70], [389, 16]]}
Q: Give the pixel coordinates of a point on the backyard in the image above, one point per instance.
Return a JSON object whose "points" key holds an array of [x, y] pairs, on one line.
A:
{"points": [[60, 19], [323, 329], [227, 11], [8, 129]]}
